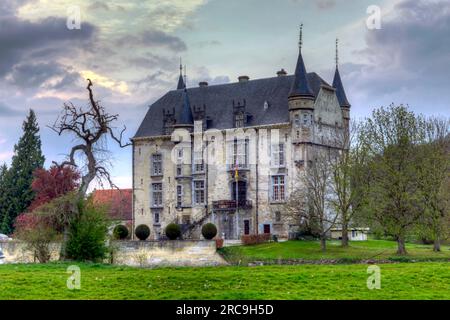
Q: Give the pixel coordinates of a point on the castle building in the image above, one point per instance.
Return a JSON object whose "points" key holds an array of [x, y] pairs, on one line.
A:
{"points": [[231, 154]]}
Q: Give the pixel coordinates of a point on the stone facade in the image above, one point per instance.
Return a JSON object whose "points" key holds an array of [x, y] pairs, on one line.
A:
{"points": [[261, 211], [246, 170]]}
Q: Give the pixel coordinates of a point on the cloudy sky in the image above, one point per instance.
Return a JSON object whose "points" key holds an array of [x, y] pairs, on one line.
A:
{"points": [[131, 51]]}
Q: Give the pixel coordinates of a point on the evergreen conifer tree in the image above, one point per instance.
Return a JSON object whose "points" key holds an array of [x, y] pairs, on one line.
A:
{"points": [[17, 181]]}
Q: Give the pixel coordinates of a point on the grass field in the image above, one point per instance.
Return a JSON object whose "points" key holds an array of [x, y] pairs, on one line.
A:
{"points": [[310, 250], [398, 281]]}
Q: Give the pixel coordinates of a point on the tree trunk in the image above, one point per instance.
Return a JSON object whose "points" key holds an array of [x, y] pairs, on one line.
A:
{"points": [[401, 246], [323, 243], [437, 245], [344, 241]]}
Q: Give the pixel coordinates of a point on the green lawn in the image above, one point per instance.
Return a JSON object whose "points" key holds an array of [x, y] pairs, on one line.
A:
{"points": [[398, 281], [310, 250]]}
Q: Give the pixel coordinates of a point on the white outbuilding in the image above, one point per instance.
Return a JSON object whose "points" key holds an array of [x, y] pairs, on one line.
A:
{"points": [[354, 234]]}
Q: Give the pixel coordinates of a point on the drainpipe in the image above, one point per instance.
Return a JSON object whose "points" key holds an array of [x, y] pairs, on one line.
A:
{"points": [[257, 185], [133, 207]]}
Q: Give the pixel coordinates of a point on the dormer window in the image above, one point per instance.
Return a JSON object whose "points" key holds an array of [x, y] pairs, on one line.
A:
{"points": [[239, 120]]}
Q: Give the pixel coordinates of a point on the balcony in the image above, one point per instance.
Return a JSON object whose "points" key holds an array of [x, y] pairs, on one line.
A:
{"points": [[230, 205]]}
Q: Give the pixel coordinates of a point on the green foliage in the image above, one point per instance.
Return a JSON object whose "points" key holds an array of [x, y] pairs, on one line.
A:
{"points": [[87, 234], [392, 190], [209, 231], [17, 193], [120, 232], [173, 231], [142, 232]]}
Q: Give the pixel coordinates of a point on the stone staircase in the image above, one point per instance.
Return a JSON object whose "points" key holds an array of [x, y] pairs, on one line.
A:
{"points": [[188, 229]]}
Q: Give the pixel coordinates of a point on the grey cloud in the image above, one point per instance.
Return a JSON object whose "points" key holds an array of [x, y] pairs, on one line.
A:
{"points": [[21, 39], [409, 54], [154, 38], [33, 75]]}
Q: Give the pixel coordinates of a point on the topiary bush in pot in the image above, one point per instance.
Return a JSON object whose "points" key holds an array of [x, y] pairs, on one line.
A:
{"points": [[120, 232], [173, 231], [209, 231], [142, 232]]}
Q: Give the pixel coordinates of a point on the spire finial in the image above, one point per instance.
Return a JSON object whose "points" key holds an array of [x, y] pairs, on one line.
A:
{"points": [[185, 77], [300, 42], [337, 53], [181, 67]]}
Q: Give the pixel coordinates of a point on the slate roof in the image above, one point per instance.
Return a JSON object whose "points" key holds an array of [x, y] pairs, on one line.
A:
{"points": [[340, 92], [180, 84], [300, 86], [185, 117], [218, 103]]}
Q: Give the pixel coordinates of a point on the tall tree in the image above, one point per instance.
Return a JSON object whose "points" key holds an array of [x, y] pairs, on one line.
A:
{"points": [[346, 172], [391, 137], [3, 188], [27, 158], [434, 180]]}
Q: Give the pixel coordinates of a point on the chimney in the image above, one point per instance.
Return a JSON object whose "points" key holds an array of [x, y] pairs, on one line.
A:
{"points": [[203, 84], [243, 78], [281, 73]]}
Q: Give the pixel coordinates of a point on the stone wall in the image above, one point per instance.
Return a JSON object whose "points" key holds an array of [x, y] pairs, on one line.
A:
{"points": [[134, 253], [167, 253], [17, 252]]}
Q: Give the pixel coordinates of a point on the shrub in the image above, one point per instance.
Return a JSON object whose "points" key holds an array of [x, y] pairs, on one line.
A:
{"points": [[87, 234], [142, 232], [209, 231], [255, 238], [37, 232], [173, 231], [120, 232]]}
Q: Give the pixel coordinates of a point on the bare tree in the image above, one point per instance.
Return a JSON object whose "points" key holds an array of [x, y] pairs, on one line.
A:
{"points": [[312, 201], [347, 175], [90, 128]]}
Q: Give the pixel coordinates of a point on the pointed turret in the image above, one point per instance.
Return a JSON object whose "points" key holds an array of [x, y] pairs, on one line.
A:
{"points": [[301, 87], [181, 84], [337, 83], [184, 118]]}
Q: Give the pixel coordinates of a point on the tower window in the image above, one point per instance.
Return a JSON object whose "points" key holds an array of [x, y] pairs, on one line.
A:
{"points": [[277, 216], [278, 190], [156, 217], [179, 196], [199, 192], [198, 161], [157, 164], [297, 121], [305, 119], [278, 155], [157, 194]]}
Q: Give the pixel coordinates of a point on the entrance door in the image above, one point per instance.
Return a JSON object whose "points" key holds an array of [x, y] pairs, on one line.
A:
{"points": [[241, 192], [267, 228], [246, 227]]}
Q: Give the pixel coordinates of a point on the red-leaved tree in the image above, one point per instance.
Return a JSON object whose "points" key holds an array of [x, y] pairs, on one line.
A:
{"points": [[53, 183]]}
